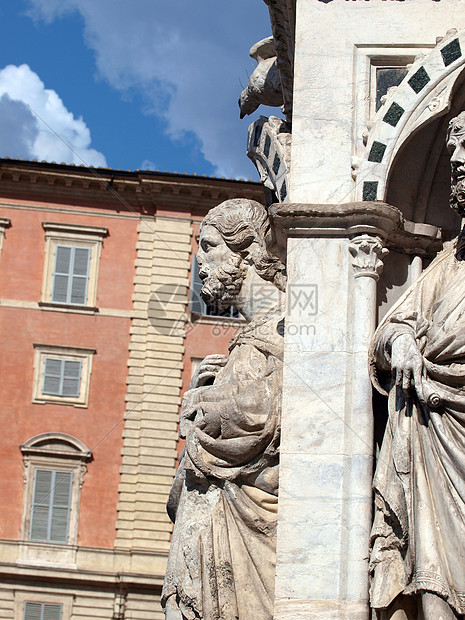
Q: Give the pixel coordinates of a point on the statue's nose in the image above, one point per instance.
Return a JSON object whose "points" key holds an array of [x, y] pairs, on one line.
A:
{"points": [[458, 155]]}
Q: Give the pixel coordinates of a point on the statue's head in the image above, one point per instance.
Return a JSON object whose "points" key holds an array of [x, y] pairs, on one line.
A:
{"points": [[233, 239], [456, 148]]}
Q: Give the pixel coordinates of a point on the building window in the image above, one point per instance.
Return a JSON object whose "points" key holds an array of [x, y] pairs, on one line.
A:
{"points": [[36, 604], [62, 375], [197, 304], [51, 504], [42, 611], [55, 466], [72, 255], [71, 275], [4, 223]]}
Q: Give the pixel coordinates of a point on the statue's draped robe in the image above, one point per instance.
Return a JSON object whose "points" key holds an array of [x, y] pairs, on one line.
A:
{"points": [[418, 537], [224, 498]]}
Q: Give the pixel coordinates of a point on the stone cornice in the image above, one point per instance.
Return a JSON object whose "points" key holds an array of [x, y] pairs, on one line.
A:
{"points": [[353, 219], [140, 191]]}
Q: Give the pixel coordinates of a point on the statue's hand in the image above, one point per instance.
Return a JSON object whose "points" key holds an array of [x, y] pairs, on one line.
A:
{"points": [[407, 365], [207, 369]]}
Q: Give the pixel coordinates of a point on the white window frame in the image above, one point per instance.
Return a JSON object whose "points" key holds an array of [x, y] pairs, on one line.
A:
{"points": [[57, 452], [39, 596], [5, 222], [75, 236], [84, 356]]}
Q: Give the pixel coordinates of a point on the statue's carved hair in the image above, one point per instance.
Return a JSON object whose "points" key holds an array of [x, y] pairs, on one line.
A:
{"points": [[241, 222], [456, 124], [457, 192]]}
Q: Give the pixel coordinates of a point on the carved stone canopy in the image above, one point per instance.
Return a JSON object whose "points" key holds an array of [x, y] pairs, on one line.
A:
{"points": [[350, 220]]}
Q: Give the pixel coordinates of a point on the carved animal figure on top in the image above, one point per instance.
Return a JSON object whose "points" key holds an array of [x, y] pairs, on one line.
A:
{"points": [[264, 87]]}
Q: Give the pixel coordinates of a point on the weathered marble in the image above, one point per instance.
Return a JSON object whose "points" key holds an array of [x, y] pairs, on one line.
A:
{"points": [[264, 86], [336, 44], [326, 461], [224, 498], [418, 356]]}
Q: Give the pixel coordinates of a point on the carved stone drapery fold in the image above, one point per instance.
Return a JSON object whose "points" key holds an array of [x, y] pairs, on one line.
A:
{"points": [[367, 256]]}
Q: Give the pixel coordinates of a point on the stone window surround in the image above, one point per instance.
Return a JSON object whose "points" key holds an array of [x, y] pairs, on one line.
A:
{"points": [[21, 597], [4, 223], [369, 58], [59, 452], [76, 236], [84, 355]]}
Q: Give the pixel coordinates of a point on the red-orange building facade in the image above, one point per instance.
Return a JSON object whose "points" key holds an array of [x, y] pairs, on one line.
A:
{"points": [[98, 342]]}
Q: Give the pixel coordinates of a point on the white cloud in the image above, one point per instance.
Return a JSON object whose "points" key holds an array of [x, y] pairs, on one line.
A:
{"points": [[147, 164], [38, 124], [189, 59]]}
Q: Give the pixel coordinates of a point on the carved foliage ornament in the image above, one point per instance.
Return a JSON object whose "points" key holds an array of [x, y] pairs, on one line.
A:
{"points": [[367, 256]]}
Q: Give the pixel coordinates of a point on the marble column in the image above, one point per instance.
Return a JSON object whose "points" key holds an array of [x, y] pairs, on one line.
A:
{"points": [[334, 258]]}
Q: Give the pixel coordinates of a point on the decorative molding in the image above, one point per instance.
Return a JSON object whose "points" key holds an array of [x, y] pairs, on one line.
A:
{"points": [[5, 222], [423, 95], [56, 444], [75, 229], [140, 192], [352, 219], [367, 256], [75, 235], [83, 355], [50, 306]]}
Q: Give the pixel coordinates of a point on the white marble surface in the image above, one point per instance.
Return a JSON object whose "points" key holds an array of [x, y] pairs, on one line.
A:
{"points": [[326, 464], [332, 74]]}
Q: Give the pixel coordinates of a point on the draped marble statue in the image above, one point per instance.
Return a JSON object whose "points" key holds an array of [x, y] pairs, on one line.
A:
{"points": [[224, 497], [418, 537]]}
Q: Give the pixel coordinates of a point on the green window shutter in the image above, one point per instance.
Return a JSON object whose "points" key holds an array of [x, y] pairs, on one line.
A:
{"points": [[197, 304], [62, 377], [42, 611], [71, 275], [51, 505]]}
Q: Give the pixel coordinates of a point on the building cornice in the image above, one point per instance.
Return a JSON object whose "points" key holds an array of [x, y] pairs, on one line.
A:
{"points": [[139, 191]]}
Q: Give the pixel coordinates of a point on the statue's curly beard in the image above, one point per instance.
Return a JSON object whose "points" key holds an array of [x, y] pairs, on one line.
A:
{"points": [[222, 284], [457, 194]]}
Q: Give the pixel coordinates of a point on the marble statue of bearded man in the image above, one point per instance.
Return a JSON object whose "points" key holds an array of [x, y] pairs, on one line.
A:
{"points": [[224, 498], [418, 537]]}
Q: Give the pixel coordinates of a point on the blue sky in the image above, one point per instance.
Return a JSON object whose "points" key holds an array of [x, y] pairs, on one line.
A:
{"points": [[129, 84]]}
